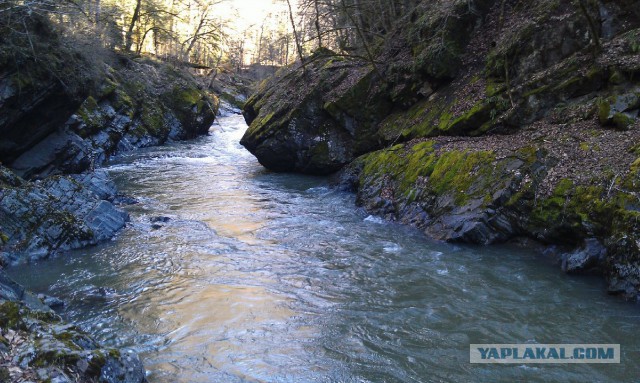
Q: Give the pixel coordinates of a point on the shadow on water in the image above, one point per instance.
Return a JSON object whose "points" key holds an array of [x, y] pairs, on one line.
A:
{"points": [[229, 273]]}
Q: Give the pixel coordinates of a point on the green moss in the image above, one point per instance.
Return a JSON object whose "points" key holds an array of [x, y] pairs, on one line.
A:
{"points": [[320, 154], [188, 97], [108, 88], [45, 316], [475, 121], [10, 316], [232, 100], [122, 102], [90, 114], [96, 363], [421, 120], [617, 78], [265, 120], [594, 73], [573, 213], [493, 88], [635, 149], [576, 81], [153, 119], [622, 121], [60, 358], [604, 109], [90, 104], [453, 172], [114, 353], [536, 91], [632, 39], [3, 238]]}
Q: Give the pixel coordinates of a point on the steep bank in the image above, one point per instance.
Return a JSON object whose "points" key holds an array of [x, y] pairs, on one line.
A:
{"points": [[65, 109], [480, 122]]}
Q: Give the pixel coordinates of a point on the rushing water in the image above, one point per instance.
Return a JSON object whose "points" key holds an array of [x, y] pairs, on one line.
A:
{"points": [[263, 277]]}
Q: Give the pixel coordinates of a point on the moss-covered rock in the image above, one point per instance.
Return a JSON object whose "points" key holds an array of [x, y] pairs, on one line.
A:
{"points": [[39, 343], [307, 121], [451, 194], [619, 111], [530, 81]]}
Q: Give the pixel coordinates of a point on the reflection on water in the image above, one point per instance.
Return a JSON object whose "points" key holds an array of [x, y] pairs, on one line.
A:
{"points": [[229, 273]]}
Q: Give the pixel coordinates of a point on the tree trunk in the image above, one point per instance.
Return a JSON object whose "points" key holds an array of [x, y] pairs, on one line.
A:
{"points": [[361, 35], [295, 36], [315, 3], [132, 25], [195, 34], [592, 26]]}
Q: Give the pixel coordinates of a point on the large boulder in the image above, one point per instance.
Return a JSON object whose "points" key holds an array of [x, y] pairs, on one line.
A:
{"points": [[43, 80], [304, 119], [318, 115]]}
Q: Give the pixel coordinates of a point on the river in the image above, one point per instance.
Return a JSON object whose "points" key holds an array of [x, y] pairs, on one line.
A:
{"points": [[230, 273]]}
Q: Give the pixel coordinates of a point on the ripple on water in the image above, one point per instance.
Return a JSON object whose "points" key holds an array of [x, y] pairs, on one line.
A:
{"points": [[270, 277]]}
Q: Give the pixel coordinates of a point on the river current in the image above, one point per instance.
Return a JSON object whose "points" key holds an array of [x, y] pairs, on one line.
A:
{"points": [[230, 273]]}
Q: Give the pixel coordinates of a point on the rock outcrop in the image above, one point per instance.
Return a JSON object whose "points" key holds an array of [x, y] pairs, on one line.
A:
{"points": [[142, 103], [63, 113], [295, 123], [56, 214], [43, 80], [516, 121]]}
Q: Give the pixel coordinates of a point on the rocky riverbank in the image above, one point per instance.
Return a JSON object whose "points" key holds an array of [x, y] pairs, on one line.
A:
{"points": [[480, 122], [37, 345], [51, 199], [65, 109]]}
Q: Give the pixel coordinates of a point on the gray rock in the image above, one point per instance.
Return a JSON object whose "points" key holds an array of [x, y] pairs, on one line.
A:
{"points": [[99, 183], [589, 258], [50, 301], [621, 110], [60, 152], [160, 218], [58, 213], [125, 369]]}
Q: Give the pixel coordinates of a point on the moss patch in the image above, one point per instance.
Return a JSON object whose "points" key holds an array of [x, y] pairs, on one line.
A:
{"points": [[455, 173]]}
